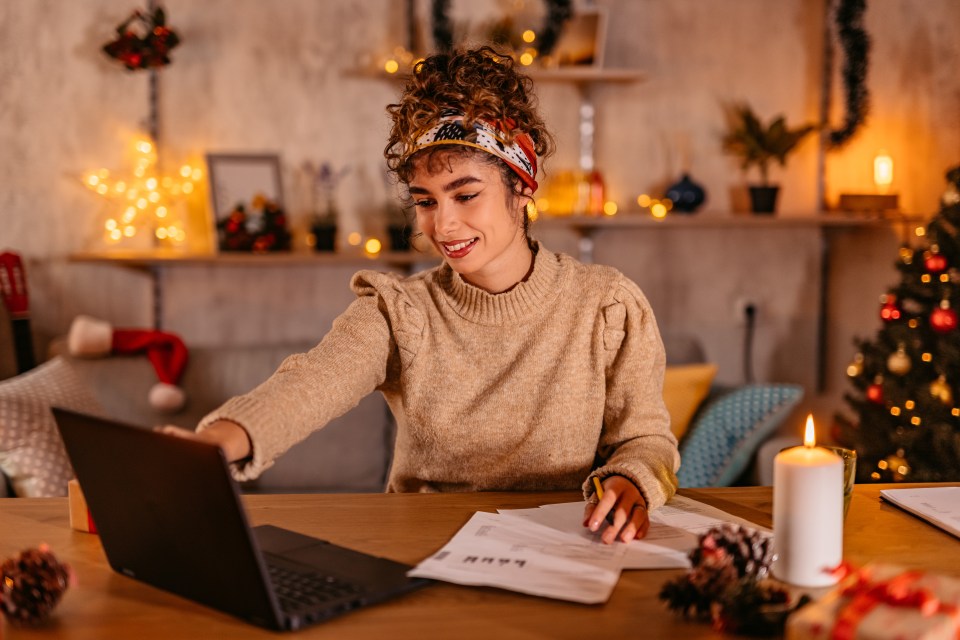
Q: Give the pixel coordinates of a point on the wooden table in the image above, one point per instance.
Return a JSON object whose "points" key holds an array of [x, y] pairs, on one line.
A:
{"points": [[409, 527]]}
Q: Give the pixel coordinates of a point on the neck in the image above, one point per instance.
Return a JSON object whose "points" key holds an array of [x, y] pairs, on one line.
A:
{"points": [[507, 271]]}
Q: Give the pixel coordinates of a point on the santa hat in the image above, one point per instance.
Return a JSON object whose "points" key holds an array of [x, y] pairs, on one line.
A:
{"points": [[90, 337]]}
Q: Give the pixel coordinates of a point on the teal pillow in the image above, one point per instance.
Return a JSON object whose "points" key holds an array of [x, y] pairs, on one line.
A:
{"points": [[728, 429]]}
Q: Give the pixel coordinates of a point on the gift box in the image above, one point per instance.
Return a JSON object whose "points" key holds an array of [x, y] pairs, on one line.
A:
{"points": [[80, 518], [882, 601]]}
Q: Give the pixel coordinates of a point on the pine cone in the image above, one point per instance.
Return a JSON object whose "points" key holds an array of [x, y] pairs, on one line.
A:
{"points": [[31, 585], [725, 557]]}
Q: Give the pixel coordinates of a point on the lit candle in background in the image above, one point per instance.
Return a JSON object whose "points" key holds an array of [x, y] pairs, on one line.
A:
{"points": [[807, 513], [883, 171]]}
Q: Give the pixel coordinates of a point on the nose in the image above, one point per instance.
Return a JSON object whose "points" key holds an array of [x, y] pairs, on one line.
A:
{"points": [[447, 220]]}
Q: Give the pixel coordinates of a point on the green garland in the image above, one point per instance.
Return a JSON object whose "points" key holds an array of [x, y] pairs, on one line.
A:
{"points": [[856, 50], [558, 12]]}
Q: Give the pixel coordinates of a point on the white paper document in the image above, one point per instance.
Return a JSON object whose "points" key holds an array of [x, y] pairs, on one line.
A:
{"points": [[939, 506], [494, 551], [673, 533], [546, 551]]}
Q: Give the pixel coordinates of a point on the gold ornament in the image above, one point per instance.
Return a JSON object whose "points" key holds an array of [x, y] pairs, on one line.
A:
{"points": [[899, 362], [531, 209], [855, 368], [940, 390]]}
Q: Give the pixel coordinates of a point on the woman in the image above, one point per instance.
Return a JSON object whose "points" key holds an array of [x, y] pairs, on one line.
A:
{"points": [[507, 367]]}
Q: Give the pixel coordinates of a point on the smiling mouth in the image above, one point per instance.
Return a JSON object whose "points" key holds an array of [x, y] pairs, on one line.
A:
{"points": [[458, 249]]}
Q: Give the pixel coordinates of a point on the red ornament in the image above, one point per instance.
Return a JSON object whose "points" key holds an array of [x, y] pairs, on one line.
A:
{"points": [[890, 311], [944, 319], [875, 393], [935, 263]]}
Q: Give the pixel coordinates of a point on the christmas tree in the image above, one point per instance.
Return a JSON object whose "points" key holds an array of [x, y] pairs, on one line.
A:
{"points": [[907, 379]]}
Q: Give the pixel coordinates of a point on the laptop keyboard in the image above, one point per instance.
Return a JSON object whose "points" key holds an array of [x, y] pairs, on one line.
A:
{"points": [[297, 590]]}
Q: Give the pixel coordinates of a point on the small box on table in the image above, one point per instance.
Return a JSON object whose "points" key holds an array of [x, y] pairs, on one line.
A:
{"points": [[80, 518]]}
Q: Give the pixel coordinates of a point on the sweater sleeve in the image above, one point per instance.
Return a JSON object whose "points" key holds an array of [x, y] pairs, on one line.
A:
{"points": [[636, 441], [310, 389]]}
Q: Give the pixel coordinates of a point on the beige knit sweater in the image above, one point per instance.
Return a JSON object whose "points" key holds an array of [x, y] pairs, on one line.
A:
{"points": [[525, 390]]}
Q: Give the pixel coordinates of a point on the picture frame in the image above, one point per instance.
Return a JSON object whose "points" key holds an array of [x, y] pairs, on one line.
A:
{"points": [[583, 40], [246, 198], [235, 178]]}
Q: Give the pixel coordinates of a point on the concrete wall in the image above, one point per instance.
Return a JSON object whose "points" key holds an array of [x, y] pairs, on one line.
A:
{"points": [[255, 76]]}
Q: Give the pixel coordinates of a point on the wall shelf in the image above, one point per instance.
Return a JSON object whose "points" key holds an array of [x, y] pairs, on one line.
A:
{"points": [[154, 259]]}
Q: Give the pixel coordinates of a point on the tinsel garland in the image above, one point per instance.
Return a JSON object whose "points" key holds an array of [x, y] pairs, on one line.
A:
{"points": [[558, 12], [856, 57]]}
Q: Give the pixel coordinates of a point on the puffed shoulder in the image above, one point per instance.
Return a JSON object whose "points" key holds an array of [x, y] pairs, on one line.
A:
{"points": [[623, 297], [406, 320]]}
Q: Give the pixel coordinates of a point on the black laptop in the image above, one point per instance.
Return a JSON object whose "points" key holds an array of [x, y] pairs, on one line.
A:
{"points": [[169, 514]]}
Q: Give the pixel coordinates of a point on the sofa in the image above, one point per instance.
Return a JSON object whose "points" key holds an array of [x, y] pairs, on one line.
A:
{"points": [[353, 453]]}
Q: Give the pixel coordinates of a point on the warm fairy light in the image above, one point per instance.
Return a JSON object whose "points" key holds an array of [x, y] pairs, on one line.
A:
{"points": [[610, 208], [920, 232], [643, 200], [883, 171], [143, 198], [391, 66], [909, 404], [668, 203], [944, 277], [894, 411], [809, 434], [526, 59], [658, 210], [372, 246], [915, 421], [926, 357], [529, 36], [354, 239]]}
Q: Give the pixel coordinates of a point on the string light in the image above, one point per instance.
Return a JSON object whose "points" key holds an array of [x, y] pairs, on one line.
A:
{"points": [[372, 246], [143, 203]]}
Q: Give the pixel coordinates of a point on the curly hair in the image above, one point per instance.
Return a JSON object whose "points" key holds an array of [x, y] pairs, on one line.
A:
{"points": [[480, 83]]}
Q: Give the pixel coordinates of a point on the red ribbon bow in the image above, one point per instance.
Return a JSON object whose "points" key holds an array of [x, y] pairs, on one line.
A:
{"points": [[865, 595]]}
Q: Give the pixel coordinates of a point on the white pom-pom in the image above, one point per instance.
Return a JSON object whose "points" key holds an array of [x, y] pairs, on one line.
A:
{"points": [[90, 337], [166, 398]]}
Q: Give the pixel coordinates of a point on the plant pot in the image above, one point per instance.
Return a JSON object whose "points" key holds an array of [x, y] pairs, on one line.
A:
{"points": [[764, 199], [399, 236], [325, 236], [686, 195]]}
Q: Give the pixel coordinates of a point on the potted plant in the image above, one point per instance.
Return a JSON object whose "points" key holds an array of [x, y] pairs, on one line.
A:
{"points": [[757, 145]]}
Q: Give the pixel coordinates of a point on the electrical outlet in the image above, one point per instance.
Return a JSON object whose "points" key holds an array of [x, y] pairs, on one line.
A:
{"points": [[741, 306]]}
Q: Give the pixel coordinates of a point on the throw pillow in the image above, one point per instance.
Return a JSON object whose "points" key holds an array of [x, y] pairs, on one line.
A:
{"points": [[684, 388], [728, 430], [31, 451]]}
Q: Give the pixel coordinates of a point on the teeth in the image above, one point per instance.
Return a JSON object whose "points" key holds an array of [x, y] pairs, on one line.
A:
{"points": [[458, 246]]}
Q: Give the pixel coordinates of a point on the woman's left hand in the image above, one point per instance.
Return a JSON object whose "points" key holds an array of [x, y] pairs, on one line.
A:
{"points": [[624, 502]]}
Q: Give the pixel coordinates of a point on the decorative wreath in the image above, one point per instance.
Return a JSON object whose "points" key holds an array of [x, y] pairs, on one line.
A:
{"points": [[143, 41], [558, 12], [856, 57]]}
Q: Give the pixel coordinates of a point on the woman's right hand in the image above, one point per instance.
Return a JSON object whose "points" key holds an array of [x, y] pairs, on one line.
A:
{"points": [[229, 436]]}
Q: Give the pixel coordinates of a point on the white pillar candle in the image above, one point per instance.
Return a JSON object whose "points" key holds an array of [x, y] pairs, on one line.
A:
{"points": [[807, 513]]}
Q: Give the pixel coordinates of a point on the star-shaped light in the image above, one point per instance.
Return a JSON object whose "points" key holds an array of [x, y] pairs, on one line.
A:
{"points": [[145, 201]]}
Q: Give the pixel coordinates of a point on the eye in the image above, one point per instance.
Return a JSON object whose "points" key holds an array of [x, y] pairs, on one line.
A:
{"points": [[423, 203], [466, 197]]}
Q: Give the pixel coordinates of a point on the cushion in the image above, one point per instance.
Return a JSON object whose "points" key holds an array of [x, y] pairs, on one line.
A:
{"points": [[31, 451], [684, 388], [729, 428]]}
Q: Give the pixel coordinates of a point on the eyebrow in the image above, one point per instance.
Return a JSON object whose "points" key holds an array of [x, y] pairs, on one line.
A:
{"points": [[456, 184]]}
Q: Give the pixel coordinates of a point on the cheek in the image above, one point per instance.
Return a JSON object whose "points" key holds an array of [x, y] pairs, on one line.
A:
{"points": [[424, 222]]}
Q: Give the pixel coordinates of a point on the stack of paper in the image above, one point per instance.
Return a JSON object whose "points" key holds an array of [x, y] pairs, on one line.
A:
{"points": [[937, 505], [546, 551]]}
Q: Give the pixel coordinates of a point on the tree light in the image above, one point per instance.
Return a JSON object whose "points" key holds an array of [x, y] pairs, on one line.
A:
{"points": [[883, 171]]}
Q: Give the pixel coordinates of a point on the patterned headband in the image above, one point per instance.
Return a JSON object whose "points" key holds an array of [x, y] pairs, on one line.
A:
{"points": [[519, 156]]}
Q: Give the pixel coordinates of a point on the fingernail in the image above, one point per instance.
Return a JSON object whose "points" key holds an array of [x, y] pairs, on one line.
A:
{"points": [[594, 525]]}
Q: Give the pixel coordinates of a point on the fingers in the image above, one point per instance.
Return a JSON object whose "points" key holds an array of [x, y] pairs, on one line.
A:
{"points": [[623, 507]]}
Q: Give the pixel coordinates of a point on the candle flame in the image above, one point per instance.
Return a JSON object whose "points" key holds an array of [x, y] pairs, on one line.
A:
{"points": [[809, 437]]}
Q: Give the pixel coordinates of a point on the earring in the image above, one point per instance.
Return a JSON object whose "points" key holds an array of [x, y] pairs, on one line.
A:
{"points": [[531, 209]]}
